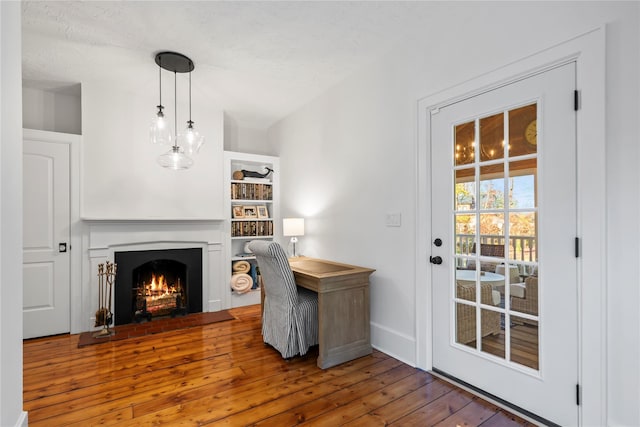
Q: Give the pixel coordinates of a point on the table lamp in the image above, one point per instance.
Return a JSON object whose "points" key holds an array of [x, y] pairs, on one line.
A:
{"points": [[293, 227]]}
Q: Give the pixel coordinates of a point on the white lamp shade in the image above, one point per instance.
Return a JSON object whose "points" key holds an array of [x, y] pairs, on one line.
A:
{"points": [[293, 227]]}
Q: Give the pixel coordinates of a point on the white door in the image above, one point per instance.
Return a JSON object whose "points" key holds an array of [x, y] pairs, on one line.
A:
{"points": [[46, 234], [505, 270]]}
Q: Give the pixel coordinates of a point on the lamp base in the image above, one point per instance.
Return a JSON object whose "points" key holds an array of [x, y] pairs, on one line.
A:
{"points": [[292, 246]]}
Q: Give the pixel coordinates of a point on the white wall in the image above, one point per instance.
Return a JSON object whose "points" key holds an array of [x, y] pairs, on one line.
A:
{"points": [[243, 139], [348, 158], [54, 110], [120, 176], [11, 413], [623, 250]]}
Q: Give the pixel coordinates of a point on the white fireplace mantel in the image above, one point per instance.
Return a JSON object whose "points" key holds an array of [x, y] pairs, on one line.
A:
{"points": [[105, 237]]}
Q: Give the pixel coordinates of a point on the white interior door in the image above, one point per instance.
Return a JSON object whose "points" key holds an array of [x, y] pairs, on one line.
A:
{"points": [[505, 270], [46, 233]]}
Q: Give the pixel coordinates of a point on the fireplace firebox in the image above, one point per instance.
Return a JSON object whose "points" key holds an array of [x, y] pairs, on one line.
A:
{"points": [[157, 283]]}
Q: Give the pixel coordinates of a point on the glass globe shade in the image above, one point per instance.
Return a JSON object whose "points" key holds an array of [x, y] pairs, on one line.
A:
{"points": [[159, 131], [191, 140], [175, 159]]}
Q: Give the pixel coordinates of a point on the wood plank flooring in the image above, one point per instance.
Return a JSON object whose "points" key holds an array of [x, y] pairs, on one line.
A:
{"points": [[222, 374]]}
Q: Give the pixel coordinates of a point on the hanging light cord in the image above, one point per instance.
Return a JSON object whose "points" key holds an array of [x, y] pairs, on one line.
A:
{"points": [[190, 123], [175, 107], [160, 80]]}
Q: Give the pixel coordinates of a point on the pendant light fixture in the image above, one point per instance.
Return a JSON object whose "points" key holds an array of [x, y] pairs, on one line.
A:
{"points": [[190, 138], [189, 141], [159, 132]]}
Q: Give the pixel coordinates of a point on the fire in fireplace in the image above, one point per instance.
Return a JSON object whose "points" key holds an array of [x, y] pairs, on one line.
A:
{"points": [[157, 283], [160, 289]]}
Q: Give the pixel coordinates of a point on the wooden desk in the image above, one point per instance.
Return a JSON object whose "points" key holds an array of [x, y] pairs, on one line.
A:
{"points": [[343, 307]]}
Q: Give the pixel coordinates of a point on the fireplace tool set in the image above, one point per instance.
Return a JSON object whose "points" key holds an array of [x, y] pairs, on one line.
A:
{"points": [[104, 316]]}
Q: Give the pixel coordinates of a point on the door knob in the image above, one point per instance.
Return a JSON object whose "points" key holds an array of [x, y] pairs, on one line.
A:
{"points": [[62, 247], [435, 260]]}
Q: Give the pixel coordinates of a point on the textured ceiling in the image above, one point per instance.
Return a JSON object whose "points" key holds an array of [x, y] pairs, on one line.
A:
{"points": [[258, 61]]}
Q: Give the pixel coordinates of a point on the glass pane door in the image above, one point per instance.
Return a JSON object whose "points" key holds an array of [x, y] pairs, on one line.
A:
{"points": [[495, 220], [504, 271]]}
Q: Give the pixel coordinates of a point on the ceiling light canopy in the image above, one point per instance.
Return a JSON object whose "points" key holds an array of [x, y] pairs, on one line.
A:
{"points": [[189, 141]]}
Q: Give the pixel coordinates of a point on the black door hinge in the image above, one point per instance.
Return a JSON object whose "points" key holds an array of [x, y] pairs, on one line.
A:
{"points": [[578, 394], [576, 100], [577, 247]]}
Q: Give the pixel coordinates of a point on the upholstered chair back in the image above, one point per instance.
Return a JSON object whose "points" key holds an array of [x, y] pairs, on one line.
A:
{"points": [[290, 316]]}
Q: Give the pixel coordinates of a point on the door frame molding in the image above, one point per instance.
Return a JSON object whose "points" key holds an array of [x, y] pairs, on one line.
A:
{"points": [[75, 232], [588, 51]]}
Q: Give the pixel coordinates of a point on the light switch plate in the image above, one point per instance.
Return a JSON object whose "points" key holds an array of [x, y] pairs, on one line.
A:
{"points": [[393, 219]]}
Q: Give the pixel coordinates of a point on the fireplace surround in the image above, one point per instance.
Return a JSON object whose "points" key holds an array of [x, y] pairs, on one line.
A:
{"points": [[106, 238]]}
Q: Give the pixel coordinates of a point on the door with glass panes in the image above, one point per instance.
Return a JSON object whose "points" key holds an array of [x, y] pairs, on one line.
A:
{"points": [[505, 273]]}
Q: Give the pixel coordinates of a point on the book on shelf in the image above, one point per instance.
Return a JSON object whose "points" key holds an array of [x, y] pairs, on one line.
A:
{"points": [[250, 228], [251, 191]]}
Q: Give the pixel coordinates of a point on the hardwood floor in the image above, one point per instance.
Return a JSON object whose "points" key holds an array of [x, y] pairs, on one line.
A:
{"points": [[222, 374]]}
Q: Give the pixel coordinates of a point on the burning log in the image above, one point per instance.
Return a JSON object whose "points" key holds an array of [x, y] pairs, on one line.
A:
{"points": [[159, 298]]}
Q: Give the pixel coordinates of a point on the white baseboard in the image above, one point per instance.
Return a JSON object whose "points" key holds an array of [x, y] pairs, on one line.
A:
{"points": [[214, 305], [23, 420], [393, 343]]}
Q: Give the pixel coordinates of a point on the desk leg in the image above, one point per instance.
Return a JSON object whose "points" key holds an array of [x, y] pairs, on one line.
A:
{"points": [[344, 325]]}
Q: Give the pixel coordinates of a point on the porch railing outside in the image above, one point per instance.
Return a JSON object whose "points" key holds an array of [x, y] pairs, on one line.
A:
{"points": [[521, 248]]}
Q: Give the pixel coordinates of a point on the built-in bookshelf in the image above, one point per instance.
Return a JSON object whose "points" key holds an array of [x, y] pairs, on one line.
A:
{"points": [[251, 196]]}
